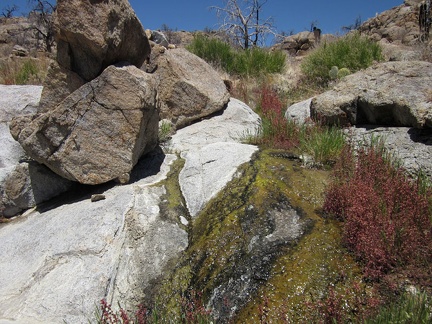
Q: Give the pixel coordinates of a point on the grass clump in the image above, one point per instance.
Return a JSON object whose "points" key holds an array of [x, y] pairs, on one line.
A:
{"points": [[324, 144], [27, 70], [23, 71], [352, 52], [410, 308], [252, 62]]}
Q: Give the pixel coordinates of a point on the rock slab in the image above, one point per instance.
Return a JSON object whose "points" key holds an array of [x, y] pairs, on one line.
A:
{"points": [[213, 152]]}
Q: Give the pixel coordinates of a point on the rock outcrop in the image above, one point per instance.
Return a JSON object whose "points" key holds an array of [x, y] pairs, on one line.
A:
{"points": [[17, 31], [411, 147], [91, 35], [188, 87], [115, 248], [300, 43], [392, 93], [397, 25], [98, 133]]}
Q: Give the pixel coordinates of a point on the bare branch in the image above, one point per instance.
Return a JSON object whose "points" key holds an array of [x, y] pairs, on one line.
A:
{"points": [[42, 20], [241, 21], [8, 11]]}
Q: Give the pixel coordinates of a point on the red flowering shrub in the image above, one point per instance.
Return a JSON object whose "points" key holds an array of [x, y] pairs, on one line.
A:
{"points": [[109, 316], [277, 131], [352, 304], [387, 222], [193, 309]]}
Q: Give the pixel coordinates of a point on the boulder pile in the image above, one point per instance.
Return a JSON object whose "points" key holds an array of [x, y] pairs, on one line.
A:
{"points": [[107, 90]]}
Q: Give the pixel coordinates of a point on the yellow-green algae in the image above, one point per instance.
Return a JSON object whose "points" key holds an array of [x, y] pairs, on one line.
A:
{"points": [[300, 272]]}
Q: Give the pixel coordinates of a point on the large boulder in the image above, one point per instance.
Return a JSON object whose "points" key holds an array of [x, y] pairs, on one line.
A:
{"points": [[391, 93], [58, 84], [28, 185], [188, 87], [99, 132], [92, 35], [299, 44]]}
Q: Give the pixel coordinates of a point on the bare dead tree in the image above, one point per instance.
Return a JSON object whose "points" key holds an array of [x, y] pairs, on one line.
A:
{"points": [[356, 25], [41, 14], [241, 20], [9, 11]]}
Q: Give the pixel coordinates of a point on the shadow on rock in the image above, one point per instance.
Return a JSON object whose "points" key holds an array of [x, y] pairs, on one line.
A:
{"points": [[423, 136]]}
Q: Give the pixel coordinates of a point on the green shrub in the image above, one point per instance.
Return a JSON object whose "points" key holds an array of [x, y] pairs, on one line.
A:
{"points": [[352, 51], [251, 62], [213, 51]]}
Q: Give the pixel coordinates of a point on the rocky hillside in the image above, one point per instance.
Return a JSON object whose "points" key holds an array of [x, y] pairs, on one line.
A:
{"points": [[397, 25]]}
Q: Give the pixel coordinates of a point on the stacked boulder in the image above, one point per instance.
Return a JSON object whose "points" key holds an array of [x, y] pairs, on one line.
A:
{"points": [[100, 107]]}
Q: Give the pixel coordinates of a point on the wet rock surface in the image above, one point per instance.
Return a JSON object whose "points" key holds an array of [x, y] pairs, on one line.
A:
{"points": [[238, 238]]}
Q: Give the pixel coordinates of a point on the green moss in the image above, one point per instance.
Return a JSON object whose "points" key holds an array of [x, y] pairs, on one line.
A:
{"points": [[173, 205], [221, 248]]}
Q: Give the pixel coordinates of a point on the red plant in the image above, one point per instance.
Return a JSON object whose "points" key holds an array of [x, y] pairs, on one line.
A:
{"points": [[109, 316], [278, 132], [193, 308], [386, 220], [344, 306]]}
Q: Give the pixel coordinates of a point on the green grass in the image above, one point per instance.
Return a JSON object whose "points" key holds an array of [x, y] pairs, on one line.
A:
{"points": [[408, 309], [352, 52], [28, 69], [252, 62], [323, 143]]}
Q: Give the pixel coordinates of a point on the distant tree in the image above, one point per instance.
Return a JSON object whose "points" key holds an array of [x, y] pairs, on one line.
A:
{"points": [[9, 11], [356, 25], [42, 22], [241, 21]]}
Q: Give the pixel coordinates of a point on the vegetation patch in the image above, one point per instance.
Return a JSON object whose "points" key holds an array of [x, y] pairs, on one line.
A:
{"points": [[27, 71], [350, 53], [322, 143], [252, 62], [387, 216]]}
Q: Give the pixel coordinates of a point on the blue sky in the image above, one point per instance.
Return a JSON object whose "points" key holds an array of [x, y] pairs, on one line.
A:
{"points": [[288, 15]]}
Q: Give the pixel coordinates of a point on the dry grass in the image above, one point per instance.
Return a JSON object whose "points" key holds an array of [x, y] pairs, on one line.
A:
{"points": [[24, 70]]}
